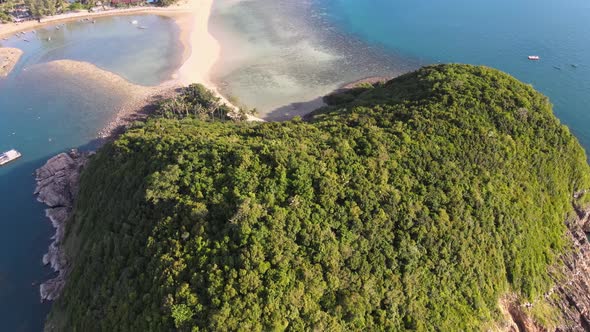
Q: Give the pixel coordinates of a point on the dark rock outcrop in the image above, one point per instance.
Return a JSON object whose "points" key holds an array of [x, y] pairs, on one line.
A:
{"points": [[57, 186], [516, 315], [572, 293]]}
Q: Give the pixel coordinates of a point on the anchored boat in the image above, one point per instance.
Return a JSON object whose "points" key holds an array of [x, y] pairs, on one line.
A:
{"points": [[534, 57], [9, 156]]}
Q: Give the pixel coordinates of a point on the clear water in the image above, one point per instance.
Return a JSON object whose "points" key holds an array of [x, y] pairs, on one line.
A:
{"points": [[498, 33], [43, 112], [287, 51], [279, 56]]}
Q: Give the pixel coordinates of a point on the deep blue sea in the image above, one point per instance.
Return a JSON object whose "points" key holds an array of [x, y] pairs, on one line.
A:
{"points": [[495, 33], [43, 113]]}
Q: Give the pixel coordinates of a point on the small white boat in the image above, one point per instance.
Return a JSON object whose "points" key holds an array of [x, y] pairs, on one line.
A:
{"points": [[134, 22], [9, 156], [534, 57]]}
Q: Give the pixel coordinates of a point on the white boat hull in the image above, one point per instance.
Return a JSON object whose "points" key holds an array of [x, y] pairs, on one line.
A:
{"points": [[9, 156]]}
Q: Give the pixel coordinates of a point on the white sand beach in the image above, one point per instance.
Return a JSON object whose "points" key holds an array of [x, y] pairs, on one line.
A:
{"points": [[204, 49], [183, 6]]}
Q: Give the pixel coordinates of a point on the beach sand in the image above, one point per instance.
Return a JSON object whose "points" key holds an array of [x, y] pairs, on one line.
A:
{"points": [[201, 52], [8, 59]]}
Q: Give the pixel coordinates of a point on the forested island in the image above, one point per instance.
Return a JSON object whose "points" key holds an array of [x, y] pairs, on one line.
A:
{"points": [[449, 199]]}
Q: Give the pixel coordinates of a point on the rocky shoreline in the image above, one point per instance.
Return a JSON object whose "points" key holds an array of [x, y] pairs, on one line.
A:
{"points": [[571, 293], [57, 187]]}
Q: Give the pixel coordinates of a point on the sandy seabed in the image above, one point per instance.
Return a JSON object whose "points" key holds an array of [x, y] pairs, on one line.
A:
{"points": [[8, 59]]}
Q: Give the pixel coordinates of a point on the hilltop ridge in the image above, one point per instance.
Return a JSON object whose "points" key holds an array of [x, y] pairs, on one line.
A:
{"points": [[416, 204]]}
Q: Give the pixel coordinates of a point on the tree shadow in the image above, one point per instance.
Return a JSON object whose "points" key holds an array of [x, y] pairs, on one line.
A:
{"points": [[289, 111]]}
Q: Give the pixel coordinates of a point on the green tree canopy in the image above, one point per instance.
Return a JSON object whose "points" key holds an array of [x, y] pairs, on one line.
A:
{"points": [[413, 204]]}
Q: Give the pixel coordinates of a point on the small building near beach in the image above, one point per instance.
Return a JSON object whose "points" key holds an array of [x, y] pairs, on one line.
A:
{"points": [[20, 13]]}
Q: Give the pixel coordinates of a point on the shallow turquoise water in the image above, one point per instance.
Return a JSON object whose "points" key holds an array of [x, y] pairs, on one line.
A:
{"points": [[278, 56], [42, 113]]}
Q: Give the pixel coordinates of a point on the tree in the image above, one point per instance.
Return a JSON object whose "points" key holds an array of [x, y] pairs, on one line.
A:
{"points": [[40, 8], [414, 205]]}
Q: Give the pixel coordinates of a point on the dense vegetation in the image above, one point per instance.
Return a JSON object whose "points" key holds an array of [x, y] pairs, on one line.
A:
{"points": [[197, 102], [42, 8], [194, 101], [413, 204]]}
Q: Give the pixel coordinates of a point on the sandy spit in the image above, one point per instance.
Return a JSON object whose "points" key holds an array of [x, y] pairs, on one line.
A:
{"points": [[201, 52], [139, 101], [8, 59]]}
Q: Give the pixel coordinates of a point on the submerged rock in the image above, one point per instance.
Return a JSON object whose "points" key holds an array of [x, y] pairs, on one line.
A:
{"points": [[57, 187]]}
